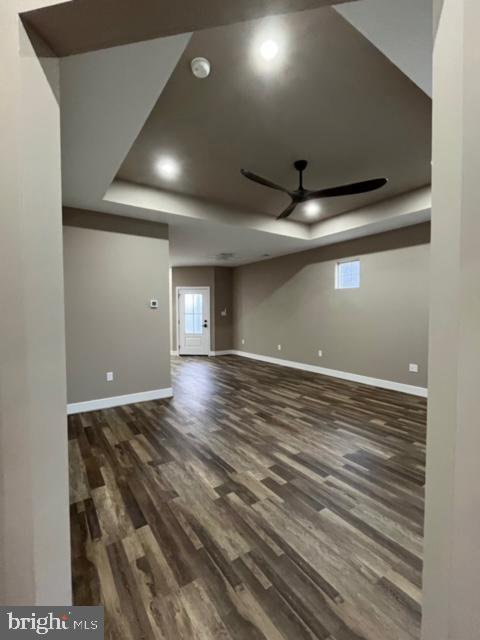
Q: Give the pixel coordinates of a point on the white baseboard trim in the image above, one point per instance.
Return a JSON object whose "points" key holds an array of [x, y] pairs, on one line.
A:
{"points": [[117, 401], [210, 353], [221, 353], [344, 375]]}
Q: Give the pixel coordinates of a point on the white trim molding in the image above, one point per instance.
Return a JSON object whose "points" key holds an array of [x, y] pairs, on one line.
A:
{"points": [[117, 401], [207, 315], [210, 353], [344, 375]]}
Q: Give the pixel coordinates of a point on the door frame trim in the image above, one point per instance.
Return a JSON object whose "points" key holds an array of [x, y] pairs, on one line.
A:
{"points": [[177, 307]]}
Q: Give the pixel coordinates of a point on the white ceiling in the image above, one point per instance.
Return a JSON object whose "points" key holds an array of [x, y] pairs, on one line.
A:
{"points": [[201, 230], [401, 29], [107, 96]]}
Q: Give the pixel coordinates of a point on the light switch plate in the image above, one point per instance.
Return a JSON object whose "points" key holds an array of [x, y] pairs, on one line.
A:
{"points": [[279, 347], [153, 303], [109, 376], [320, 353]]}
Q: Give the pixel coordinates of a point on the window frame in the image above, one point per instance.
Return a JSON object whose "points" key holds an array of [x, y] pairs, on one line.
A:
{"points": [[338, 264]]}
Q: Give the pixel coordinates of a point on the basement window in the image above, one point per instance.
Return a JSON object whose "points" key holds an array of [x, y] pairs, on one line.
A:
{"points": [[347, 275]]}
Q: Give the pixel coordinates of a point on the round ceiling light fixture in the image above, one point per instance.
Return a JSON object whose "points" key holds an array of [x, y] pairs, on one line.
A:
{"points": [[269, 49], [200, 68], [312, 209], [168, 168]]}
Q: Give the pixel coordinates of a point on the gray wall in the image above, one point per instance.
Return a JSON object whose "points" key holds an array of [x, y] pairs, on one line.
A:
{"points": [[34, 519], [219, 279], [223, 300], [376, 330], [113, 267]]}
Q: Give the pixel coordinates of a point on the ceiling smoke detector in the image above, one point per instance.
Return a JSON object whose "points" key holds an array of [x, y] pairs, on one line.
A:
{"points": [[200, 68]]}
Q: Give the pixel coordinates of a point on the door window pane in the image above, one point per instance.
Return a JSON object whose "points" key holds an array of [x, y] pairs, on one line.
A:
{"points": [[197, 323], [194, 313], [189, 323], [189, 302], [198, 304]]}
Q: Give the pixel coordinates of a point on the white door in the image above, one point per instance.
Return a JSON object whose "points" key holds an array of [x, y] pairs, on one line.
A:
{"points": [[193, 311]]}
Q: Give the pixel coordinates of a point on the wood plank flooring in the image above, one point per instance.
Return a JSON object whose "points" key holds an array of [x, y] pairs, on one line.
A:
{"points": [[259, 503]]}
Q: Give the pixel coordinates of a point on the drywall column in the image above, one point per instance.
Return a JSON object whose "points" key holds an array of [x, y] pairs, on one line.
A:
{"points": [[452, 559], [114, 266], [34, 526]]}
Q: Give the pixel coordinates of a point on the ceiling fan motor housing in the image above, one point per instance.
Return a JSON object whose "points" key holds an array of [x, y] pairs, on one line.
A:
{"points": [[300, 165]]}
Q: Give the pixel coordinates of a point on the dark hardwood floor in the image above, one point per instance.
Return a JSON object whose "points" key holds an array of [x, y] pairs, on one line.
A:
{"points": [[259, 503]]}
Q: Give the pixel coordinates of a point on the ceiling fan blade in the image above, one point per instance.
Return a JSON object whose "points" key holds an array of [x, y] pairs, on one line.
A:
{"points": [[288, 210], [348, 189], [263, 181]]}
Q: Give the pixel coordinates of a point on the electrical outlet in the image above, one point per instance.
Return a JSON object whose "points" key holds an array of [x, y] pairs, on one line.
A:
{"points": [[279, 347], [109, 376], [153, 303], [413, 368], [243, 340], [320, 353]]}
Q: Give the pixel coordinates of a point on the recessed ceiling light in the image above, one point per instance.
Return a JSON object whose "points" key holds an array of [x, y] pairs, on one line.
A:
{"points": [[312, 209], [168, 168], [269, 49]]}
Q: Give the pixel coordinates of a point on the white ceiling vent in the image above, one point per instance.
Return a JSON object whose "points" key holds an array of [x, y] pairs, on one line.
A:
{"points": [[225, 256]]}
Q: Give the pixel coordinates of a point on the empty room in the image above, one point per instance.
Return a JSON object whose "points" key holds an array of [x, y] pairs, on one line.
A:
{"points": [[240, 321]]}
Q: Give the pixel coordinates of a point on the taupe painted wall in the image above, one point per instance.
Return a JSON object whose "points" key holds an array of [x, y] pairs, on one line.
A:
{"points": [[113, 267], [34, 516], [223, 301], [375, 331], [219, 279]]}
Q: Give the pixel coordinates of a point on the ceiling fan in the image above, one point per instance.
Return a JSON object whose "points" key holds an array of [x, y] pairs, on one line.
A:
{"points": [[303, 195]]}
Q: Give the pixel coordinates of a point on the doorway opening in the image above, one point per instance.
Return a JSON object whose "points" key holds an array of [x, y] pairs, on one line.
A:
{"points": [[193, 321]]}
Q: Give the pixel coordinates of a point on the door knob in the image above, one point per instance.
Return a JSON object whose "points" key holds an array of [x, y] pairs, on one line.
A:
{"points": [[205, 324]]}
